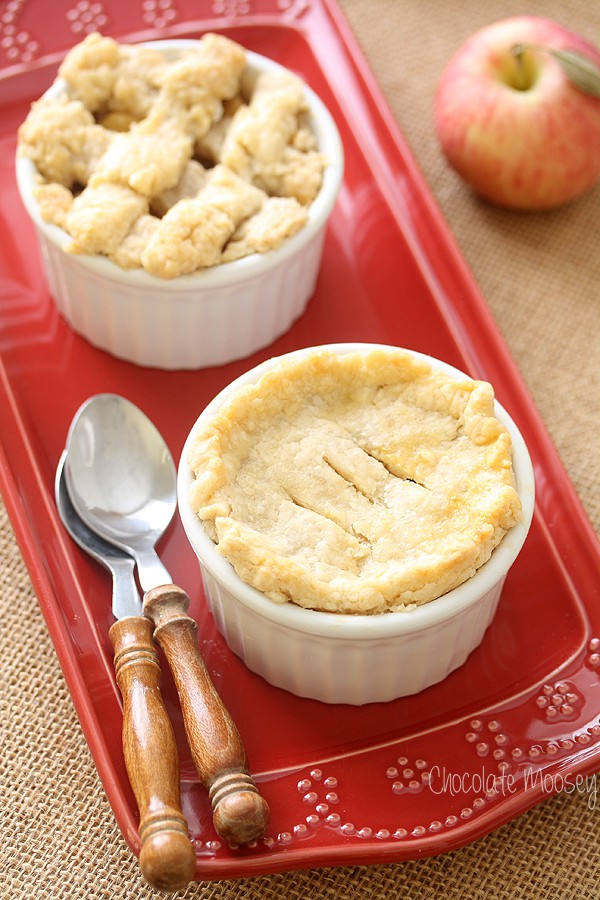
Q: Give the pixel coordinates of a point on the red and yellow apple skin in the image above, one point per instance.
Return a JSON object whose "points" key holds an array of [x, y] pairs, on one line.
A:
{"points": [[532, 144]]}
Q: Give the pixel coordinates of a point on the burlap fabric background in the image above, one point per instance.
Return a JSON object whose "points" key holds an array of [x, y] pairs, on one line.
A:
{"points": [[540, 275]]}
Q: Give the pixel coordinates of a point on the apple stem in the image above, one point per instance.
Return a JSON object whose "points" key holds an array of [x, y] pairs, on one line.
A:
{"points": [[521, 81], [581, 71]]}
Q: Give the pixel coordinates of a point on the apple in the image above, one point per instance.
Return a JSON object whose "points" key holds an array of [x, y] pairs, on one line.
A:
{"points": [[519, 131]]}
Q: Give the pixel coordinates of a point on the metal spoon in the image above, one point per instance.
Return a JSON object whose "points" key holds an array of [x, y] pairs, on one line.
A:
{"points": [[122, 481], [167, 857]]}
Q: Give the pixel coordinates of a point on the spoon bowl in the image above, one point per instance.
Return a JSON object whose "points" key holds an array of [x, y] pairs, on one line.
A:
{"points": [[121, 479], [126, 601]]}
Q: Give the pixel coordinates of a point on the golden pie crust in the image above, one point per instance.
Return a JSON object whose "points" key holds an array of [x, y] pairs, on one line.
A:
{"points": [[359, 482]]}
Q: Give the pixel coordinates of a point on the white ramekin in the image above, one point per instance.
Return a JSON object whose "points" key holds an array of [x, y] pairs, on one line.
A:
{"points": [[342, 658], [204, 319]]}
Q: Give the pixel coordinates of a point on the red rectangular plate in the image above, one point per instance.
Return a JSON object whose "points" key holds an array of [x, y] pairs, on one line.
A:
{"points": [[385, 782]]}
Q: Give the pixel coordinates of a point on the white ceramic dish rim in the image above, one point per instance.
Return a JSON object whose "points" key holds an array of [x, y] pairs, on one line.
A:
{"points": [[359, 627], [245, 269]]}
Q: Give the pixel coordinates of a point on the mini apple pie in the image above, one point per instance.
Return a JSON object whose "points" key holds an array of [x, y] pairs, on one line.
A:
{"points": [[360, 482], [177, 164]]}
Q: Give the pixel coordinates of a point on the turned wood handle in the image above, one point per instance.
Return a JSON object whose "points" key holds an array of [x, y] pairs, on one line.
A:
{"points": [[167, 858], [240, 814]]}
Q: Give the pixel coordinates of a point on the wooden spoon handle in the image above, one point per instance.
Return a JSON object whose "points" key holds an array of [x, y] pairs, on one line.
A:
{"points": [[167, 858], [240, 814]]}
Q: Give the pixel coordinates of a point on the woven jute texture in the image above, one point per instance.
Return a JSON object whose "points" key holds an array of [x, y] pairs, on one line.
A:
{"points": [[540, 275]]}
